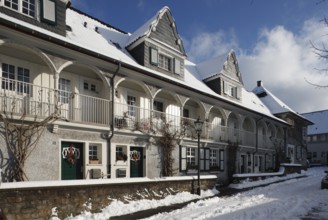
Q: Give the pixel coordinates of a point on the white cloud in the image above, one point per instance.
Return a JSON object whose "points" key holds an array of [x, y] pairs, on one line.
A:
{"points": [[280, 58], [284, 61], [208, 45]]}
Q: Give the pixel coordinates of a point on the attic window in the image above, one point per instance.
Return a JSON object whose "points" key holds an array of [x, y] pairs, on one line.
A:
{"points": [[48, 11], [164, 62]]}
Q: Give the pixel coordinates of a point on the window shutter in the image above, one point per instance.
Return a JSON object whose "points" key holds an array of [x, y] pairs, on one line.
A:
{"points": [[221, 160], [202, 158], [238, 93], [226, 88], [207, 159], [176, 66], [48, 11], [153, 56], [183, 158]]}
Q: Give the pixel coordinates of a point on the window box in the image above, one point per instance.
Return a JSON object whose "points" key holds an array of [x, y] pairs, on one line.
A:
{"points": [[93, 161]]}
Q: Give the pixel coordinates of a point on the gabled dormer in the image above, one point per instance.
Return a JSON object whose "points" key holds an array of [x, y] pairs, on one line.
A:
{"points": [[47, 14], [222, 75], [158, 46]]}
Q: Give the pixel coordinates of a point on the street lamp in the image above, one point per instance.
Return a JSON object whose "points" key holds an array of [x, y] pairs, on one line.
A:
{"points": [[198, 128]]}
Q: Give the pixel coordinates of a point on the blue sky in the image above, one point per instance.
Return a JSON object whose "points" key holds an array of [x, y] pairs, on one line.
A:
{"points": [[271, 38]]}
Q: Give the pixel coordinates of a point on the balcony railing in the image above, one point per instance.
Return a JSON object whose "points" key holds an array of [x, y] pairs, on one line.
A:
{"points": [[130, 117], [25, 98]]}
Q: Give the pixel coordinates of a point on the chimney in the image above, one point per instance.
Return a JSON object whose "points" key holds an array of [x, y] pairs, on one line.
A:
{"points": [[259, 83]]}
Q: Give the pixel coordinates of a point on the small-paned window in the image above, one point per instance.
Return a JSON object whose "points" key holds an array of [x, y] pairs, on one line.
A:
{"points": [[164, 62], [213, 160], [93, 88], [132, 102], [26, 7], [64, 90], [86, 86], [9, 74], [23, 77], [93, 152]]}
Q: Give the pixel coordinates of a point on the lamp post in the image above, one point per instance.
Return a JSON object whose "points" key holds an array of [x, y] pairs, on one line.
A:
{"points": [[198, 128]]}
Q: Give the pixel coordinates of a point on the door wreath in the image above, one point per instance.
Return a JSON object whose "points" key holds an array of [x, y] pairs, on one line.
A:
{"points": [[135, 156]]}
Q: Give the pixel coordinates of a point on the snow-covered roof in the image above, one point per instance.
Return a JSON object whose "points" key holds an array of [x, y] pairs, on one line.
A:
{"points": [[275, 105], [93, 35], [320, 120]]}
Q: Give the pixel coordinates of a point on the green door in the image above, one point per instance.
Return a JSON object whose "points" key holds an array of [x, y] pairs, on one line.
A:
{"points": [[72, 161], [136, 162]]}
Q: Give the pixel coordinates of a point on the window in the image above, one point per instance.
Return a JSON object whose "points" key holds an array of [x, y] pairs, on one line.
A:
{"points": [[86, 86], [64, 90], [164, 62], [191, 158], [9, 76], [26, 7], [23, 75], [314, 154], [213, 162], [93, 152], [93, 88], [121, 153], [210, 159], [90, 86], [186, 113], [158, 106], [131, 105]]}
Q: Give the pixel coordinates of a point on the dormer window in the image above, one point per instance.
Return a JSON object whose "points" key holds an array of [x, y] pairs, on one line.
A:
{"points": [[164, 62], [232, 90], [26, 7]]}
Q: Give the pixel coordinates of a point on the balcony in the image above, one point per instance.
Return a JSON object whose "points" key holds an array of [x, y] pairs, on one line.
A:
{"points": [[132, 118], [24, 98]]}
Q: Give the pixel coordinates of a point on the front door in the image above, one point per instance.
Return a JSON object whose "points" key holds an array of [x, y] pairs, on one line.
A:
{"points": [[136, 162], [71, 161]]}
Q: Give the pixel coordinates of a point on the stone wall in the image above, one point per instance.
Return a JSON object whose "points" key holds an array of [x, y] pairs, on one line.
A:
{"points": [[35, 200]]}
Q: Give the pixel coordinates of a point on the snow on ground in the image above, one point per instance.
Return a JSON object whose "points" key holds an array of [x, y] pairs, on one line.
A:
{"points": [[290, 199]]}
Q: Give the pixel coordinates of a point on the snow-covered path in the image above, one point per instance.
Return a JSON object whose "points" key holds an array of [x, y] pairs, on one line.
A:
{"points": [[286, 200]]}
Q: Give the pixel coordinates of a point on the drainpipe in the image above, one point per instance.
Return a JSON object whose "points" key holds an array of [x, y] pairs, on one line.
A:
{"points": [[113, 117], [256, 141]]}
